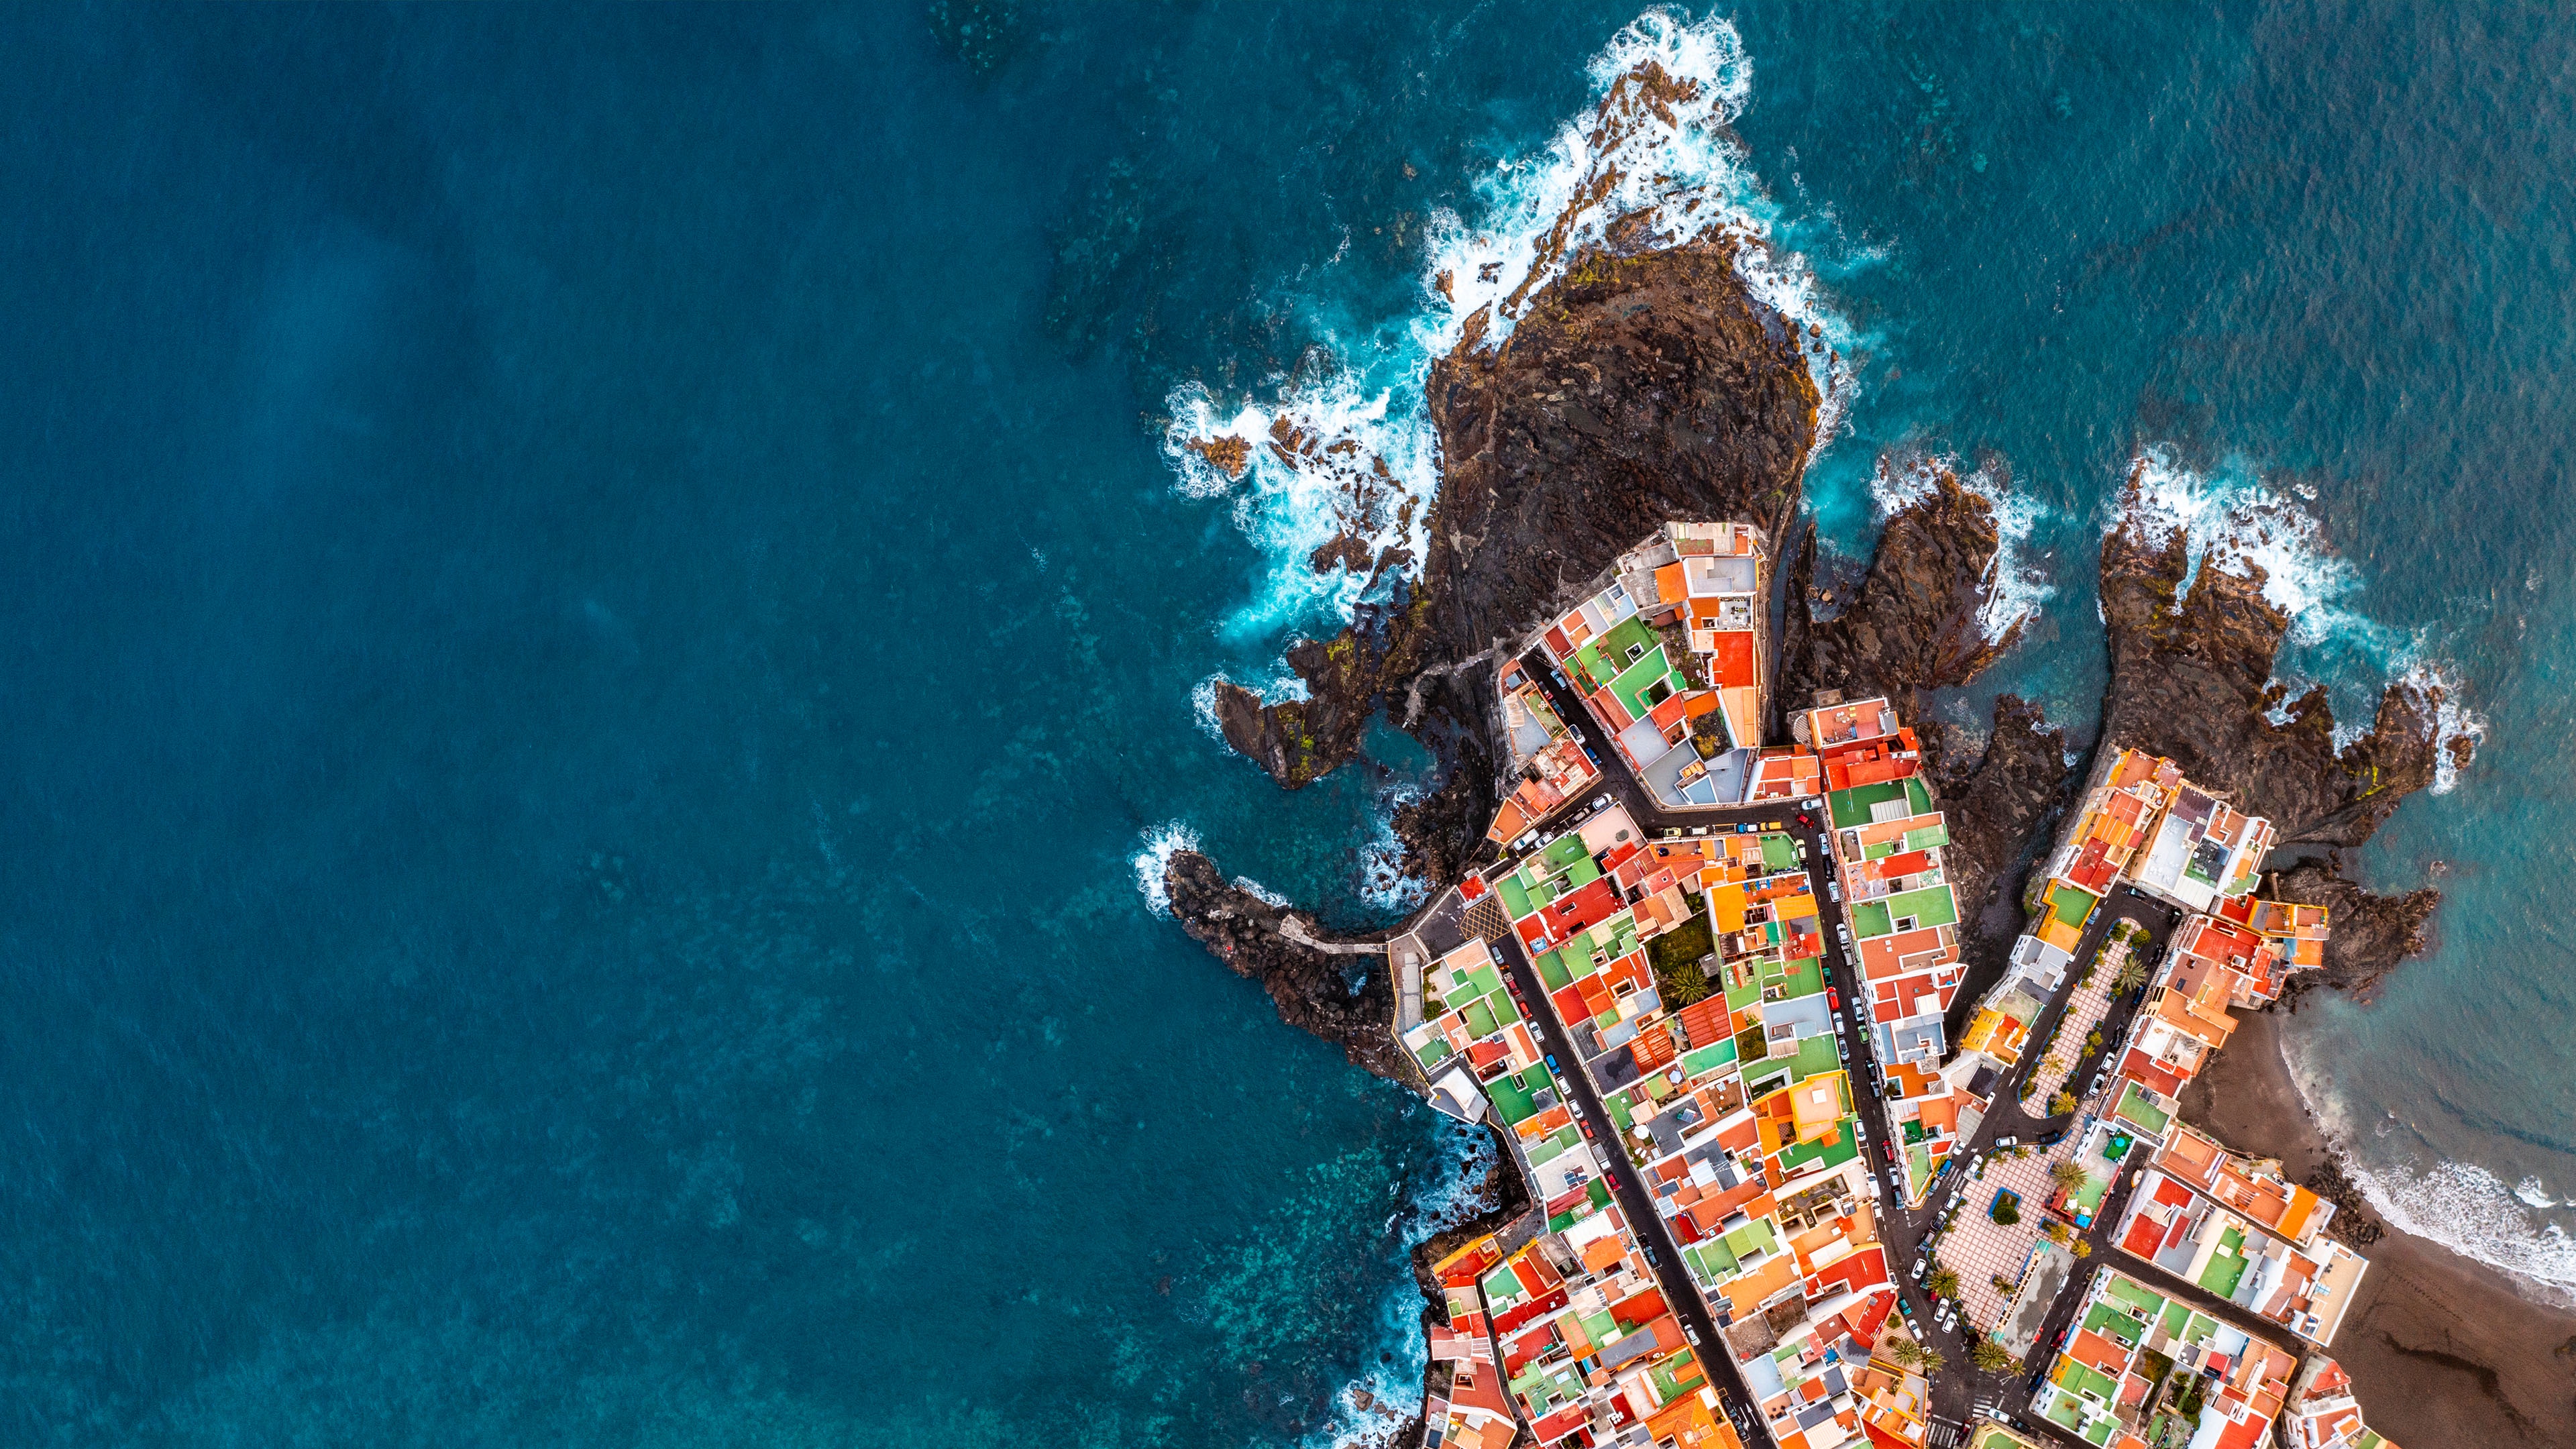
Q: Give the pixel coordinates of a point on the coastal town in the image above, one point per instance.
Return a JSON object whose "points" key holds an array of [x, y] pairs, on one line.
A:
{"points": [[1704, 996]]}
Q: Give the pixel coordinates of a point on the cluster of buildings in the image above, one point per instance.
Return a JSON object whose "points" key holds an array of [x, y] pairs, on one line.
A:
{"points": [[2140, 1368], [1670, 659], [1734, 1107], [1726, 1087], [1903, 921], [2243, 1232]]}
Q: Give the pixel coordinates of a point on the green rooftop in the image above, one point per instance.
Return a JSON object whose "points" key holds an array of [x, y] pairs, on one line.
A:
{"points": [[1869, 919], [2134, 1107], [2070, 905], [1930, 906]]}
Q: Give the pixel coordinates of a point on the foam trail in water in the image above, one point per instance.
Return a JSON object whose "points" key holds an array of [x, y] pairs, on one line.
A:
{"points": [[1347, 457], [1384, 1398], [1161, 843], [1383, 881]]}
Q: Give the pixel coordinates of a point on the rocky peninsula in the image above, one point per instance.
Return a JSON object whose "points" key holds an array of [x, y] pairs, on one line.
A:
{"points": [[1651, 385]]}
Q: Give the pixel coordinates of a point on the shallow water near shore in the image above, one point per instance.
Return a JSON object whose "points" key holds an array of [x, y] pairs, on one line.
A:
{"points": [[598, 612]]}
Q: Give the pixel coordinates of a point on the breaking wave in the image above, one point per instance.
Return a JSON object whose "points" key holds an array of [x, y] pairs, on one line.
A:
{"points": [[2015, 586], [2452, 720], [1384, 883], [2472, 1212], [2461, 1206], [1161, 843], [2235, 522], [1343, 465], [1203, 698]]}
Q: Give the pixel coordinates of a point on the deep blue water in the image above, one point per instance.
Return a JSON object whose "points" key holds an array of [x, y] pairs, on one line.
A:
{"points": [[593, 616]]}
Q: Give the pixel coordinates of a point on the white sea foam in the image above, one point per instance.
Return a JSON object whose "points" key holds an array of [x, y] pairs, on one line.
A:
{"points": [[1383, 881], [2462, 1206], [1160, 844], [2469, 1210], [2452, 719], [1257, 889], [2233, 521], [1393, 1389], [1348, 452], [2015, 586], [1286, 686]]}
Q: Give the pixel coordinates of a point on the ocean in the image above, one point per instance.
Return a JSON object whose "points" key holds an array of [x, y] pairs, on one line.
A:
{"points": [[604, 620]]}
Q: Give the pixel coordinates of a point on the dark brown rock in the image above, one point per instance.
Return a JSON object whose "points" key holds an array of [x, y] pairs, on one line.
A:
{"points": [[2003, 808], [1312, 988], [2367, 935], [2194, 685], [1917, 622], [1637, 388]]}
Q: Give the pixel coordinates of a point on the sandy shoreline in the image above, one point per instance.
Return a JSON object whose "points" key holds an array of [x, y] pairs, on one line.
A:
{"points": [[2441, 1348]]}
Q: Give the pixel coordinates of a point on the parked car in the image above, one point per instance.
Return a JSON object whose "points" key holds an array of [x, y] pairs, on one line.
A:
{"points": [[2050, 1138], [1890, 1144], [1842, 1047], [1552, 1068], [1805, 819], [2008, 1142], [1833, 999], [1834, 890], [1690, 1333], [1917, 1275]]}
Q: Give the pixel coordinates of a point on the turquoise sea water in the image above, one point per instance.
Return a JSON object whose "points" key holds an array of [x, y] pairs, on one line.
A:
{"points": [[596, 617]]}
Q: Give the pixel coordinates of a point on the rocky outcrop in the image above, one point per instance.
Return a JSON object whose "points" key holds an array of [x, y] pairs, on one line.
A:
{"points": [[1918, 620], [1636, 388], [2368, 935], [1916, 623], [1345, 998], [2191, 679]]}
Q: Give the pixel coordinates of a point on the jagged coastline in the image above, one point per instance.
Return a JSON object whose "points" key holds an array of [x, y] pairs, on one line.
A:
{"points": [[1652, 386]]}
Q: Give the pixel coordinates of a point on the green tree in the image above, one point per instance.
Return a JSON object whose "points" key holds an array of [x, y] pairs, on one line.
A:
{"points": [[1991, 1357], [2006, 1212], [1941, 1282], [1681, 984]]}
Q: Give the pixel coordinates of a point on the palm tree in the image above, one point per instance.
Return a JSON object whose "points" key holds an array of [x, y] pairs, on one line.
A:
{"points": [[1930, 1362], [2132, 975], [1941, 1282], [2066, 1175], [1902, 1352], [1991, 1356]]}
